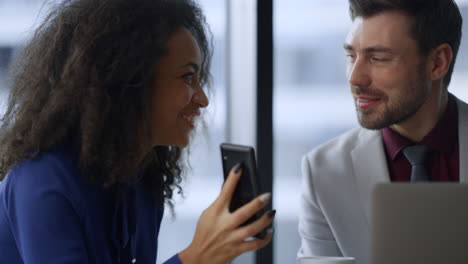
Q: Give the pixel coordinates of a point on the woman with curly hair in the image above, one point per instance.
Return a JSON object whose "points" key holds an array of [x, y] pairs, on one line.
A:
{"points": [[104, 97]]}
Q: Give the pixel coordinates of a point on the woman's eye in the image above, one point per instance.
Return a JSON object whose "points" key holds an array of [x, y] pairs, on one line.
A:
{"points": [[188, 78]]}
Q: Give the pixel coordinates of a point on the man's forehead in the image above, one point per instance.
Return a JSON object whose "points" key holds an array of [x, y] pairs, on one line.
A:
{"points": [[385, 28]]}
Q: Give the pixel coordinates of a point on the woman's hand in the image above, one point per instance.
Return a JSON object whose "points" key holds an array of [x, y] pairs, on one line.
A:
{"points": [[219, 237]]}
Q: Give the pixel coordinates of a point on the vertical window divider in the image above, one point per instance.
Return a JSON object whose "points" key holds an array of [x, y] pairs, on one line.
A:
{"points": [[264, 131]]}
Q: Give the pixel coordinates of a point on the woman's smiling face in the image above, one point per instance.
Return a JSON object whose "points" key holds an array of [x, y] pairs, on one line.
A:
{"points": [[177, 95]]}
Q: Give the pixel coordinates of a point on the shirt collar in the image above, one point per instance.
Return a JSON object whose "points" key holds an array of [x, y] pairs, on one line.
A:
{"points": [[443, 137], [394, 142]]}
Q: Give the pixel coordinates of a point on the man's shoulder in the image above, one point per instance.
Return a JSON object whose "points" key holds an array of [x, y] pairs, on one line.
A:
{"points": [[340, 148], [331, 162], [346, 141], [462, 106]]}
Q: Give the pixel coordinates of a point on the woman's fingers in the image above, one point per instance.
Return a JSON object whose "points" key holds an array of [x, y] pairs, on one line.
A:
{"points": [[248, 210], [254, 228], [255, 244], [230, 184]]}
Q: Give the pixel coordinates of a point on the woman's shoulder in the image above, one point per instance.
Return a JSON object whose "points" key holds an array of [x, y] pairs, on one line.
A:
{"points": [[47, 167], [55, 171]]}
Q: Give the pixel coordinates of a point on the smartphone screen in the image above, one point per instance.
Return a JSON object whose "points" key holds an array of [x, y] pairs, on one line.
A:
{"points": [[247, 187]]}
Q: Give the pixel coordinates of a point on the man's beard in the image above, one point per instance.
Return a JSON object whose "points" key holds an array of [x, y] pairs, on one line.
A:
{"points": [[398, 108]]}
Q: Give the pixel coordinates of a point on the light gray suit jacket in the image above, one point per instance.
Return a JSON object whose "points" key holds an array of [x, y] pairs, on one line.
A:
{"points": [[338, 178]]}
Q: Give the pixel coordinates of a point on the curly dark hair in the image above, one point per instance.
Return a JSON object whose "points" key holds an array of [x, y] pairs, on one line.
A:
{"points": [[85, 79]]}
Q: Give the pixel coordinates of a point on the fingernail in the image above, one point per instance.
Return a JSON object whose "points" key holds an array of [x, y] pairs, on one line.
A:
{"points": [[270, 230], [237, 167], [265, 197], [272, 213]]}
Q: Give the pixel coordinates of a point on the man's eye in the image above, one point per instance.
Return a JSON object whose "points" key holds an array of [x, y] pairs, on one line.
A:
{"points": [[378, 59], [350, 57]]}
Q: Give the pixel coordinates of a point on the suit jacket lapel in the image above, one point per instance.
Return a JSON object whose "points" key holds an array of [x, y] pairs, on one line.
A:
{"points": [[463, 139], [370, 166]]}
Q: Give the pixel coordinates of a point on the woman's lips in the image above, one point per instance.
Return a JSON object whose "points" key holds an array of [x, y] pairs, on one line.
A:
{"points": [[366, 102], [189, 121], [190, 118]]}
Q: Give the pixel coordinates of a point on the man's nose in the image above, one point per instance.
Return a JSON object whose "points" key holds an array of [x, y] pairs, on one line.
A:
{"points": [[358, 74]]}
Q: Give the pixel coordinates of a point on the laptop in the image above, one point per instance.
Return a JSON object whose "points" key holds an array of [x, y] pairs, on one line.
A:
{"points": [[419, 223]]}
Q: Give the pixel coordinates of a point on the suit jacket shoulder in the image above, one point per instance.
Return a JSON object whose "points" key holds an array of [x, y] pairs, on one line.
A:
{"points": [[335, 155]]}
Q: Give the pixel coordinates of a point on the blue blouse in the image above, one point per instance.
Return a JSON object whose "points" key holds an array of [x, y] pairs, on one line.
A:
{"points": [[49, 213]]}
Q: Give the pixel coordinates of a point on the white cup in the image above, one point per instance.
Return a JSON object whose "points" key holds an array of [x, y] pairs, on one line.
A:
{"points": [[326, 260]]}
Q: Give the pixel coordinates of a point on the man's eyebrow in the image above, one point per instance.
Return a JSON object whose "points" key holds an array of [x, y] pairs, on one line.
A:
{"points": [[348, 47], [372, 49], [380, 49]]}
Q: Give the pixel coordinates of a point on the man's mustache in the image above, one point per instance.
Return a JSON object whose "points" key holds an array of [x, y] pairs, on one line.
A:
{"points": [[369, 91]]}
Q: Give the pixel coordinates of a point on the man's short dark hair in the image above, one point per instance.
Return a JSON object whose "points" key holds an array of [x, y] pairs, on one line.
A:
{"points": [[434, 22]]}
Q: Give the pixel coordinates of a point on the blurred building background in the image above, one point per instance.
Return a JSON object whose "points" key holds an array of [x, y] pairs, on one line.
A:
{"points": [[312, 104]]}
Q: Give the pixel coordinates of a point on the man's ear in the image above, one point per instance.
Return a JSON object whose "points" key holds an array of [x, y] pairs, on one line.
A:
{"points": [[440, 60]]}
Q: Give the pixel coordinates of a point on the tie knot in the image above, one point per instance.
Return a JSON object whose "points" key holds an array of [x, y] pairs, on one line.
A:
{"points": [[417, 154]]}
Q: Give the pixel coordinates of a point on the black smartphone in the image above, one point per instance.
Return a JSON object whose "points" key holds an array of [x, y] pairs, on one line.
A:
{"points": [[248, 186]]}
